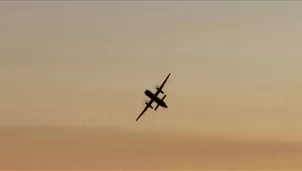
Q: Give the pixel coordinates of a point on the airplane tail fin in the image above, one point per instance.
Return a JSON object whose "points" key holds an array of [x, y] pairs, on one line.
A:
{"points": [[162, 100]]}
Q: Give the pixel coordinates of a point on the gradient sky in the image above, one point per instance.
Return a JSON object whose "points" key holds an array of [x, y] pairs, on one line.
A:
{"points": [[234, 94], [236, 66]]}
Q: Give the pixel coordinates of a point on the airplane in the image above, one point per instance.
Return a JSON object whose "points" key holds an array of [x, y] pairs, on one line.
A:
{"points": [[155, 98]]}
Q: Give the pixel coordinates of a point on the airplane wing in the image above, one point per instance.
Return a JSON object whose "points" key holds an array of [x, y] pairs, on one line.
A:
{"points": [[159, 89], [147, 106]]}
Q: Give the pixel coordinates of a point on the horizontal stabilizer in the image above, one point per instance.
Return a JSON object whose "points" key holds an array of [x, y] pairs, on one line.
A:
{"points": [[158, 104]]}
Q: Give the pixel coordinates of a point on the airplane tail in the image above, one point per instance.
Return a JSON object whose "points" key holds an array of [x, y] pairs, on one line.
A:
{"points": [[162, 100], [156, 107]]}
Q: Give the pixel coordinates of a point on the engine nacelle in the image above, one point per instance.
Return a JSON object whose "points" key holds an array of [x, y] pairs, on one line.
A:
{"points": [[160, 90], [149, 105]]}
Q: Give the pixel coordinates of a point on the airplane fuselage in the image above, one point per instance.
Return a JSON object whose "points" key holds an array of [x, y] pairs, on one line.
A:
{"points": [[156, 99]]}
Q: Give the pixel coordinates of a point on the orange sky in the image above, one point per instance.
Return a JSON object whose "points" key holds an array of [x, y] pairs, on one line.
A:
{"points": [[235, 67], [96, 148]]}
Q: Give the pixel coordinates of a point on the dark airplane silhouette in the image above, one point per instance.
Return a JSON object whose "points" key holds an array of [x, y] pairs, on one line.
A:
{"points": [[154, 98]]}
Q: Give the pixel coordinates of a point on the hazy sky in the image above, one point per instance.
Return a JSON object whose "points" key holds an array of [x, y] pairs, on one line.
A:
{"points": [[236, 66]]}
